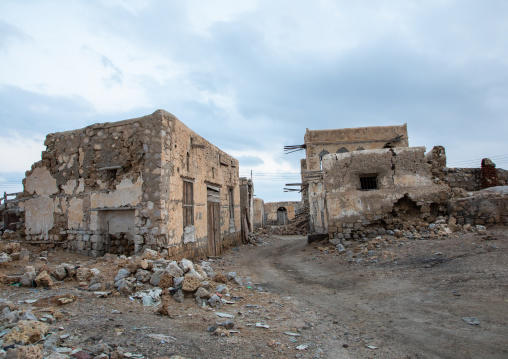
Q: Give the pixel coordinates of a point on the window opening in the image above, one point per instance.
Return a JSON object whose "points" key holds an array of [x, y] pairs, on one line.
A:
{"points": [[231, 204], [188, 161], [321, 155], [368, 182], [342, 150], [188, 207]]}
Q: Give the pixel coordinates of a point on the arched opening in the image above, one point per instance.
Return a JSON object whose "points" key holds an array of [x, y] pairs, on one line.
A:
{"points": [[360, 149], [342, 150], [282, 216], [321, 155]]}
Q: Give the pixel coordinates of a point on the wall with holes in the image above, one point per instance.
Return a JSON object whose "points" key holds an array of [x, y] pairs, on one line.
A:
{"points": [[404, 188], [91, 180]]}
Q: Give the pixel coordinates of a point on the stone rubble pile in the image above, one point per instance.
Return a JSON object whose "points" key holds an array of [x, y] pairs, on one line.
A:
{"points": [[298, 226], [375, 249], [25, 333], [158, 282]]}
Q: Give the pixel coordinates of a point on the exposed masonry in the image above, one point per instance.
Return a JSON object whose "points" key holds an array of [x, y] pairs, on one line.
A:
{"points": [[320, 143], [486, 207], [406, 196], [119, 187], [280, 213]]}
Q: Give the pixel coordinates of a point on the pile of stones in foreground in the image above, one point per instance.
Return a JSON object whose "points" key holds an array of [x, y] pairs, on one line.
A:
{"points": [[156, 281], [25, 334], [366, 249]]}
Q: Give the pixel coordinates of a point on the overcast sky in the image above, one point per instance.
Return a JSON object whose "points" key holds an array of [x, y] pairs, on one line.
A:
{"points": [[250, 76]]}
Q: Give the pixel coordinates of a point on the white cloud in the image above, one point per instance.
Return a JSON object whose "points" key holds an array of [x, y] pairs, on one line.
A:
{"points": [[65, 53], [204, 14], [22, 151]]}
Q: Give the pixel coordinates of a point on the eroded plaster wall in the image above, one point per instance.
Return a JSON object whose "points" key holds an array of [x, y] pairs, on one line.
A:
{"points": [[187, 156], [259, 213], [84, 172], [271, 208], [318, 143], [405, 190]]}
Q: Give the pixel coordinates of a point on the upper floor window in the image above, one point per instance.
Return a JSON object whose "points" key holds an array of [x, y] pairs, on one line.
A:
{"points": [[188, 203]]}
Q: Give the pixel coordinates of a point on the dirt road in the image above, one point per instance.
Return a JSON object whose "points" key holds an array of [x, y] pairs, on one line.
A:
{"points": [[399, 298], [408, 308]]}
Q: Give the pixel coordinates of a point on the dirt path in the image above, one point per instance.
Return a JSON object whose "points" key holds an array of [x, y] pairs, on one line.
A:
{"points": [[406, 308], [404, 298]]}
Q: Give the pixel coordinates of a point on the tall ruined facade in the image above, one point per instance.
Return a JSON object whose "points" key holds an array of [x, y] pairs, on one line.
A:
{"points": [[121, 187], [319, 143]]}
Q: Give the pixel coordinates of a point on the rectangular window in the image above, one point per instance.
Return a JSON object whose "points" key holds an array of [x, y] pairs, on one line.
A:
{"points": [[231, 204], [368, 182], [188, 204]]}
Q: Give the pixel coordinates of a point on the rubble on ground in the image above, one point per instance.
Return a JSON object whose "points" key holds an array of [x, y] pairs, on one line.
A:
{"points": [[376, 249], [150, 279], [298, 226]]}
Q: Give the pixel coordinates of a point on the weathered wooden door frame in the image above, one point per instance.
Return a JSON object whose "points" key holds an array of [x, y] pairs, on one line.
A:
{"points": [[213, 221]]}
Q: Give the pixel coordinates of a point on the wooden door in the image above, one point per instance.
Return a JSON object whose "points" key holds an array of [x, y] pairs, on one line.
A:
{"points": [[213, 222]]}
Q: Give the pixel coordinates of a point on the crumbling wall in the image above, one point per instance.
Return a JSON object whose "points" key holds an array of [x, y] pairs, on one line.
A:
{"points": [[400, 191], [247, 202], [470, 179], [186, 156], [350, 140], [85, 172], [119, 187], [486, 207], [259, 213], [465, 178], [319, 143], [271, 211]]}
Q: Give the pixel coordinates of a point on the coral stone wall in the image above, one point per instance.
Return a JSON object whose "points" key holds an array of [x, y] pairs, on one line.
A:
{"points": [[406, 193], [187, 156], [85, 173]]}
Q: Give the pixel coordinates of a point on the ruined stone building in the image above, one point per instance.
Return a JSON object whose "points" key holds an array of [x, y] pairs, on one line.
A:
{"points": [[361, 182], [246, 206], [319, 143], [281, 213], [368, 192], [121, 187], [259, 213]]}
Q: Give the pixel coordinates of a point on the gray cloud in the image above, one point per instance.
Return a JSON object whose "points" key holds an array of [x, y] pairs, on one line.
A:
{"points": [[438, 66]]}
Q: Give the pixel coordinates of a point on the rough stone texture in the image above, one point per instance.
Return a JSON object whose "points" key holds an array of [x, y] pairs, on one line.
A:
{"points": [[118, 188], [486, 207], [27, 332], [470, 179], [28, 276], [190, 283], [157, 276], [174, 269], [186, 265], [202, 293], [44, 280], [259, 213], [83, 274], [406, 191], [272, 215], [59, 272], [318, 143], [166, 281], [143, 275]]}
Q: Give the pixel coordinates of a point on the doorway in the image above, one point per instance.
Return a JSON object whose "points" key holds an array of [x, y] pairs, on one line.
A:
{"points": [[282, 216], [213, 221]]}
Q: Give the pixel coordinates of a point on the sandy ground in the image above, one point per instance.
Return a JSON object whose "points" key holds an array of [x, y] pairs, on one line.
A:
{"points": [[405, 299]]}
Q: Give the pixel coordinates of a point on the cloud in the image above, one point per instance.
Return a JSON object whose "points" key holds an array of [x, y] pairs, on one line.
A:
{"points": [[25, 151], [251, 76]]}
